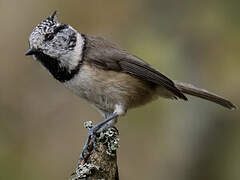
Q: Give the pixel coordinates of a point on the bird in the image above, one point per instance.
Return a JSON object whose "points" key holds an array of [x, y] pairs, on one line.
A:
{"points": [[107, 76]]}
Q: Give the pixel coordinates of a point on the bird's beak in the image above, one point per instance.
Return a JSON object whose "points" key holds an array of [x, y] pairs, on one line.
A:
{"points": [[31, 51]]}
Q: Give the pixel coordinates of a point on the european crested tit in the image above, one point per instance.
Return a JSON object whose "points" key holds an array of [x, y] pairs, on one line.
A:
{"points": [[104, 74]]}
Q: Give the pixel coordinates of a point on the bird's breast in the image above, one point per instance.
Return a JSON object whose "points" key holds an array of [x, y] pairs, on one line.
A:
{"points": [[105, 89]]}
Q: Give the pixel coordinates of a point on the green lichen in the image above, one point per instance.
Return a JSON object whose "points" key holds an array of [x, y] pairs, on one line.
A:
{"points": [[110, 138], [83, 171], [88, 124]]}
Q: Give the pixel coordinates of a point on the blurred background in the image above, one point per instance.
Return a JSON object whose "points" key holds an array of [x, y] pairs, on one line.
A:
{"points": [[41, 122]]}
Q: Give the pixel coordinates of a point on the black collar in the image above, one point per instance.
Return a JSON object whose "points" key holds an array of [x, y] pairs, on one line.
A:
{"points": [[59, 72]]}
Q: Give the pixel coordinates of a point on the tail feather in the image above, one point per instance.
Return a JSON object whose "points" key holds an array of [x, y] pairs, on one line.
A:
{"points": [[204, 94]]}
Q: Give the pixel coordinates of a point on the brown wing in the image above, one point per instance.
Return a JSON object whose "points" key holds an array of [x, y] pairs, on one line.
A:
{"points": [[106, 55]]}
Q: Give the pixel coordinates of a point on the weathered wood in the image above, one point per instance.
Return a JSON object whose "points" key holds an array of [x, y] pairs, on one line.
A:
{"points": [[100, 162]]}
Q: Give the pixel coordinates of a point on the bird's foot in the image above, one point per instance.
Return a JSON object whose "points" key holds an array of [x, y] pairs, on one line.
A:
{"points": [[90, 143], [94, 132]]}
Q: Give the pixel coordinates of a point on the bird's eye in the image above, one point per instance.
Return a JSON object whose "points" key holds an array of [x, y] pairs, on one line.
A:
{"points": [[49, 37], [59, 28]]}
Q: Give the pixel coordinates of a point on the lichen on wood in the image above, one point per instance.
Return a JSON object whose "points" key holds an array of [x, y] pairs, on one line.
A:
{"points": [[100, 162]]}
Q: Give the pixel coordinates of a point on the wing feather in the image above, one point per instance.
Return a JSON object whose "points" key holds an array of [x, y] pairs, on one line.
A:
{"points": [[106, 55]]}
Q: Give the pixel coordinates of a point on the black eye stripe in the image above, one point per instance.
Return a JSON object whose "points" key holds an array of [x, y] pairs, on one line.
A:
{"points": [[59, 28], [49, 37]]}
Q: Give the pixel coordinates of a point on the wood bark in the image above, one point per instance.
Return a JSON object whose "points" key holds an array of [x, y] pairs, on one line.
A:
{"points": [[100, 162]]}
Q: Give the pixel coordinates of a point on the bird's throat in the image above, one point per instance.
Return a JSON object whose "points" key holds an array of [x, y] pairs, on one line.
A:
{"points": [[59, 72]]}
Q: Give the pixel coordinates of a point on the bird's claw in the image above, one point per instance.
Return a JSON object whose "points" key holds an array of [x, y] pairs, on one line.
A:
{"points": [[94, 141], [92, 138]]}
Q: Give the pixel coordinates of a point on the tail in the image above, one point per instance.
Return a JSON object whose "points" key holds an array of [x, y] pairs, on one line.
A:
{"points": [[204, 94]]}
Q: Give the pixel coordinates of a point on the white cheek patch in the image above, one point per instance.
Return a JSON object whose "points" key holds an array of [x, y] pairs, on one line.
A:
{"points": [[78, 50], [72, 58]]}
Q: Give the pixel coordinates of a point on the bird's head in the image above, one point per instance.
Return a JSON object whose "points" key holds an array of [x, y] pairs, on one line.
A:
{"points": [[52, 38]]}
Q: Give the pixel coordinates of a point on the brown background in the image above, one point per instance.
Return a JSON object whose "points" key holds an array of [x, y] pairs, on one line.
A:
{"points": [[41, 122]]}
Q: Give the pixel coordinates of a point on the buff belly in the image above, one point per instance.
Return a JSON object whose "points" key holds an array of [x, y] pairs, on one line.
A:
{"points": [[106, 89]]}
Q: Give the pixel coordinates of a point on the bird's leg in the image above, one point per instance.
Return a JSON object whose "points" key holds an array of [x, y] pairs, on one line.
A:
{"points": [[106, 123], [104, 127], [109, 121]]}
